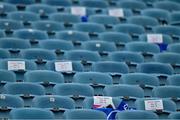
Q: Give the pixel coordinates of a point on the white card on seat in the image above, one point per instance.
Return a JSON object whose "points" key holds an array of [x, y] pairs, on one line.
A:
{"points": [[81, 11], [64, 66], [153, 105], [116, 12], [154, 38], [103, 102], [16, 65]]}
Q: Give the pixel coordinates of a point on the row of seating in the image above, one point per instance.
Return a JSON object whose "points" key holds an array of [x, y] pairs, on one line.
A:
{"points": [[51, 77], [59, 105], [107, 25], [138, 4], [86, 31], [147, 20], [26, 113]]}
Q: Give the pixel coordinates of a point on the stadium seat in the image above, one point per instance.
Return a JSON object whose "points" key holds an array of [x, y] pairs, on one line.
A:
{"points": [[9, 102], [82, 55], [174, 18], [94, 3], [57, 104], [84, 114], [146, 49], [66, 18], [53, 102], [38, 54], [68, 75], [5, 8], [120, 39], [128, 93], [171, 92], [49, 26], [75, 36], [44, 77], [25, 17], [167, 5], [115, 69], [149, 2], [166, 38], [27, 2], [126, 56], [161, 15], [131, 58], [136, 114], [9, 25], [170, 58], [161, 70], [28, 65], [4, 54], [155, 68], [168, 106], [110, 67], [78, 92], [32, 35], [95, 79], [145, 21], [91, 28], [25, 90], [104, 48], [6, 76], [41, 9], [106, 20], [31, 113], [173, 31], [174, 48], [135, 6], [2, 34], [14, 43], [133, 30], [57, 45], [72, 36], [173, 80], [174, 115], [64, 3], [145, 81]]}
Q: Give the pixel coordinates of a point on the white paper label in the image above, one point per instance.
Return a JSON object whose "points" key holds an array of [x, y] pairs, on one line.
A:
{"points": [[16, 65], [103, 102], [155, 38], [52, 99], [116, 12], [2, 97], [153, 105], [81, 11], [98, 45], [1, 6], [63, 66]]}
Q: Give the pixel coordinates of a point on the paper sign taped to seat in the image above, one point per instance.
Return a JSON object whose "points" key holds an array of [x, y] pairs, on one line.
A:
{"points": [[16, 65], [103, 102], [116, 12], [154, 38], [153, 105], [63, 66], [81, 11]]}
